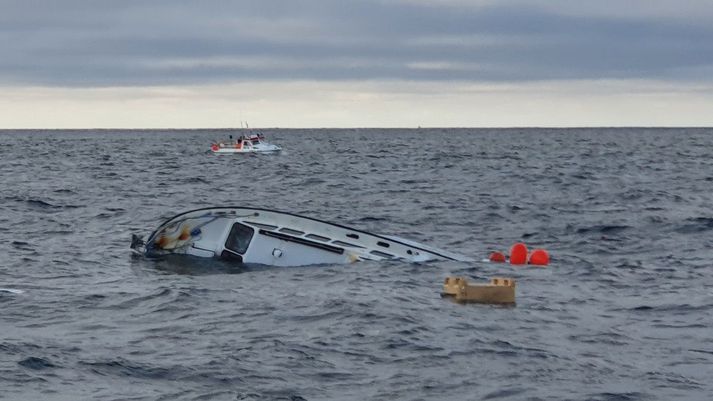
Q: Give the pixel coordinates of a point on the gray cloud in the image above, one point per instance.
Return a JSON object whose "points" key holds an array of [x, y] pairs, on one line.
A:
{"points": [[108, 43]]}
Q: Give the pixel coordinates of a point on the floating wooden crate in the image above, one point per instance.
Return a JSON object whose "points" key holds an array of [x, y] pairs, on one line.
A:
{"points": [[500, 290]]}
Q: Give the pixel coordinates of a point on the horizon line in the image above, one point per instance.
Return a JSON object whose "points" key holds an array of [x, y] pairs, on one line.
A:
{"points": [[364, 128]]}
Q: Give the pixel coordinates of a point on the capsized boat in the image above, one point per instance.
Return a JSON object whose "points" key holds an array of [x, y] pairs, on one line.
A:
{"points": [[254, 143], [270, 237]]}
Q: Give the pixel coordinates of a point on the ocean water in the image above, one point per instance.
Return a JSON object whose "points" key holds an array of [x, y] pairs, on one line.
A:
{"points": [[623, 312]]}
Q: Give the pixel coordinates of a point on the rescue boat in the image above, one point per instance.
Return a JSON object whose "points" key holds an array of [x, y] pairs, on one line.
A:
{"points": [[270, 237], [254, 143]]}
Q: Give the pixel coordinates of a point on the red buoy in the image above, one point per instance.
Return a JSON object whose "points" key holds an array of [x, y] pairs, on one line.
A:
{"points": [[539, 257], [518, 254], [497, 257]]}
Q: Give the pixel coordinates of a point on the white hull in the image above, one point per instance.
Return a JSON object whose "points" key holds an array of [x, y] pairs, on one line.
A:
{"points": [[245, 144], [275, 238], [260, 148]]}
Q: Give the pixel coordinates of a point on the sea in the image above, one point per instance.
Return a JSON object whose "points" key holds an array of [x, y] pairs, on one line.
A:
{"points": [[624, 310]]}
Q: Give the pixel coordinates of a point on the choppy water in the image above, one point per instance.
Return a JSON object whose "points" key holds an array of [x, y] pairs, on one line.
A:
{"points": [[624, 312]]}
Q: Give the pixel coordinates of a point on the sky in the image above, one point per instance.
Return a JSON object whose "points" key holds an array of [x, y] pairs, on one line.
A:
{"points": [[360, 63]]}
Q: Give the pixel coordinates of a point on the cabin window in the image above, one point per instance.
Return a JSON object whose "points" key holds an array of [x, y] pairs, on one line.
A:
{"points": [[342, 243], [291, 231], [260, 225], [239, 238], [317, 237], [382, 254]]}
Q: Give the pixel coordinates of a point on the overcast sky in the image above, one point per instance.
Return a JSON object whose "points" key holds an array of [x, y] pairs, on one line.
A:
{"points": [[331, 63]]}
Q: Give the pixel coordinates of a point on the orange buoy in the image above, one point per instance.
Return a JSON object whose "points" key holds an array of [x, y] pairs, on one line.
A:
{"points": [[497, 257], [518, 254], [185, 234], [539, 257]]}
